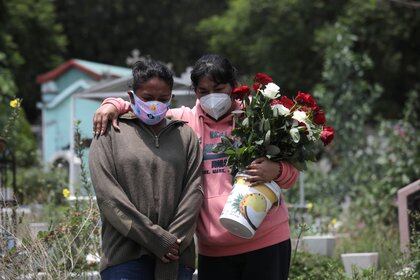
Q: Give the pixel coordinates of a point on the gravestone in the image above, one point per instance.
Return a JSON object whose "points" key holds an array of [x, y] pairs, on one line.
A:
{"points": [[408, 203]]}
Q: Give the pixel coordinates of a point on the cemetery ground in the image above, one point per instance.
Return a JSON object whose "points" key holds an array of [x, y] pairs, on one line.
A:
{"points": [[61, 240], [47, 234]]}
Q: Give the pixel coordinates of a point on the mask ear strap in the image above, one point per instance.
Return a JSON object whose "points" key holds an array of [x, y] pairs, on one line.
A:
{"points": [[131, 96], [168, 103]]}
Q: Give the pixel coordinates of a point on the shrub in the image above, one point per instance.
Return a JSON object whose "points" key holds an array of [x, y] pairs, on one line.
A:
{"points": [[307, 267], [60, 252]]}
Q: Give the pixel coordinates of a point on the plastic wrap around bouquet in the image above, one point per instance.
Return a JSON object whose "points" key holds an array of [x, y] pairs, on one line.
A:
{"points": [[247, 206], [273, 126]]}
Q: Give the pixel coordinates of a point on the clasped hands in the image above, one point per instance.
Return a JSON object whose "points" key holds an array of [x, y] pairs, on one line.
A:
{"points": [[173, 253]]}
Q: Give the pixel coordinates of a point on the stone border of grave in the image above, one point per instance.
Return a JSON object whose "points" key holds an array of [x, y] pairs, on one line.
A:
{"points": [[403, 219], [359, 261], [319, 244]]}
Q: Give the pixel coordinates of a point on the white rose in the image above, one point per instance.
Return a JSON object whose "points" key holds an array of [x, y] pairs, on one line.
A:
{"points": [[271, 91], [300, 116], [279, 109]]}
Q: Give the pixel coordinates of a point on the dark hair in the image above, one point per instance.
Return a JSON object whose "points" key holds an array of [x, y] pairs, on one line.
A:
{"points": [[216, 67], [146, 69]]}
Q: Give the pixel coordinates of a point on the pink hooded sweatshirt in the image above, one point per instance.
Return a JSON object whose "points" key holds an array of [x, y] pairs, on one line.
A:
{"points": [[213, 238]]}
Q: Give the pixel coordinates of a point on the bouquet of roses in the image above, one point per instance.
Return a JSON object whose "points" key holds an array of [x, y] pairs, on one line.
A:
{"points": [[275, 126]]}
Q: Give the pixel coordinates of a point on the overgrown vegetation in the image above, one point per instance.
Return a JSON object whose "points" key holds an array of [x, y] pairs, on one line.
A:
{"points": [[67, 250]]}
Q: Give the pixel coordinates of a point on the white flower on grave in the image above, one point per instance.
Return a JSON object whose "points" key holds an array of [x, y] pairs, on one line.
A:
{"points": [[271, 91], [92, 259]]}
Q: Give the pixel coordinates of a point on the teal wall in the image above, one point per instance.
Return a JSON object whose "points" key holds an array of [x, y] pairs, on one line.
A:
{"points": [[69, 78], [57, 120], [57, 129], [84, 111], [58, 123]]}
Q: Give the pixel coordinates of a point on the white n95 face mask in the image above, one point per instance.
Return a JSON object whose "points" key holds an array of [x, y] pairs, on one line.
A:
{"points": [[216, 104]]}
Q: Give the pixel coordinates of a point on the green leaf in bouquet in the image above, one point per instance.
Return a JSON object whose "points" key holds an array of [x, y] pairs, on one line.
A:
{"points": [[251, 137], [294, 133], [240, 151], [218, 148], [261, 126], [246, 102], [266, 124], [230, 152], [272, 150], [245, 122], [259, 142], [275, 113], [226, 141], [249, 111], [267, 137]]}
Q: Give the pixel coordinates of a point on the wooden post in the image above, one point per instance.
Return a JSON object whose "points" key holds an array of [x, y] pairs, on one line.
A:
{"points": [[403, 215]]}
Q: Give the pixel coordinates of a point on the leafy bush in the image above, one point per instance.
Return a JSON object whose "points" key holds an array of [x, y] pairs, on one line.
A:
{"points": [[15, 128], [307, 267], [41, 184]]}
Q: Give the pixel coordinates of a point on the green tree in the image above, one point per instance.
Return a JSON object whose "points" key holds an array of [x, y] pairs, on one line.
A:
{"points": [[279, 37], [273, 36], [388, 32], [107, 31], [9, 58], [31, 42]]}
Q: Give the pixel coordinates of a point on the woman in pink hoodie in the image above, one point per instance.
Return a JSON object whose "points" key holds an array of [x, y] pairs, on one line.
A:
{"points": [[223, 255]]}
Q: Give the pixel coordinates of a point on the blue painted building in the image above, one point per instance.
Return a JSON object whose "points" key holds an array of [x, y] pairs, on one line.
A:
{"points": [[72, 92]]}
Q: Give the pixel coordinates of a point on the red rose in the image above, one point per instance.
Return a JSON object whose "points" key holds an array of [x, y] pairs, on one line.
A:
{"points": [[256, 86], [285, 101], [319, 116], [327, 135], [305, 99], [275, 102], [305, 109], [240, 92], [263, 78]]}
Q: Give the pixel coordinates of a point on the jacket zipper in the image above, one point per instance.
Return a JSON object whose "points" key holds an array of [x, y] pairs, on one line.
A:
{"points": [[160, 132]]}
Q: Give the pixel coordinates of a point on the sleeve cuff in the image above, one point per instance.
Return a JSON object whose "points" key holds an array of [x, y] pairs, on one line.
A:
{"points": [[279, 177], [159, 245]]}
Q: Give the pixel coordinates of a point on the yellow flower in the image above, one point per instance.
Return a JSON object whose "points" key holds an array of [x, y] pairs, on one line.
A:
{"points": [[309, 206], [66, 192], [333, 221], [15, 103]]}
